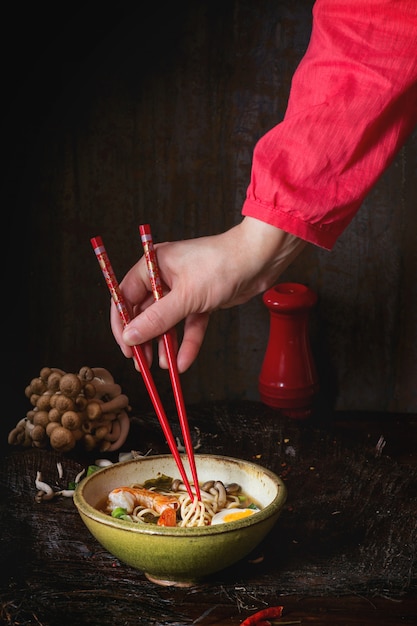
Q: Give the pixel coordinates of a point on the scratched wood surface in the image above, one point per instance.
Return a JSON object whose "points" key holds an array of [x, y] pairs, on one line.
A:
{"points": [[343, 551]]}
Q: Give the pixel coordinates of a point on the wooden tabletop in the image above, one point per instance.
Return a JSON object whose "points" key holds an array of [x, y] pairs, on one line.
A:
{"points": [[342, 553]]}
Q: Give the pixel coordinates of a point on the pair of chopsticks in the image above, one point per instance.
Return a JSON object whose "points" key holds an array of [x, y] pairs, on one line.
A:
{"points": [[138, 355]]}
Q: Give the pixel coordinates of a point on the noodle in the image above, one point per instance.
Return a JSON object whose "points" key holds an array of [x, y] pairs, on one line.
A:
{"points": [[146, 505]]}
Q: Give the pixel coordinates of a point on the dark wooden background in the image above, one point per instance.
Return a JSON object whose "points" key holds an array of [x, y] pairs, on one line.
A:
{"points": [[118, 116]]}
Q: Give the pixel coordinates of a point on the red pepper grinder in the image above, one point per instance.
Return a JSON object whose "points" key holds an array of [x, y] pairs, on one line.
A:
{"points": [[288, 379]]}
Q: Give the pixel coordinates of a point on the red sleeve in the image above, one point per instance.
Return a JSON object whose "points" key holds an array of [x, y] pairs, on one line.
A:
{"points": [[352, 105]]}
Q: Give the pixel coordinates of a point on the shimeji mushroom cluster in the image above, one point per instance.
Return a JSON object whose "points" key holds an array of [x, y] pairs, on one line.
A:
{"points": [[87, 408]]}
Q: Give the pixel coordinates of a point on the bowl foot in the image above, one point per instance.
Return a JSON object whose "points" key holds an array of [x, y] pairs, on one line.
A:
{"points": [[170, 583]]}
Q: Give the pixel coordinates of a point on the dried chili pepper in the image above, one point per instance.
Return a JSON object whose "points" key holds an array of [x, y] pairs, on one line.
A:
{"points": [[261, 618]]}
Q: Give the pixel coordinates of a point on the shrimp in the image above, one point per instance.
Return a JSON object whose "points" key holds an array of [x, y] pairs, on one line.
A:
{"points": [[129, 497]]}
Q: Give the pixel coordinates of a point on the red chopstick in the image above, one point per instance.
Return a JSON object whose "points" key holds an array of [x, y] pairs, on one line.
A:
{"points": [[117, 296], [152, 263]]}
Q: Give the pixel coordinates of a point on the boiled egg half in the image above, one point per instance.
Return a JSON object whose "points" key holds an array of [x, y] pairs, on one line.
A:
{"points": [[231, 515]]}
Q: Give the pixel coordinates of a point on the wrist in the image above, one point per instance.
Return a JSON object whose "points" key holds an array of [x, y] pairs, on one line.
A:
{"points": [[266, 251]]}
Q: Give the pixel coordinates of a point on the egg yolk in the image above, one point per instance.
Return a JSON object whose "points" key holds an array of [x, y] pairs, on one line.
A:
{"points": [[232, 517]]}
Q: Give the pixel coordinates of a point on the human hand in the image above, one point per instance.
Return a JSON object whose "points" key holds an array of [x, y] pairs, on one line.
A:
{"points": [[200, 276]]}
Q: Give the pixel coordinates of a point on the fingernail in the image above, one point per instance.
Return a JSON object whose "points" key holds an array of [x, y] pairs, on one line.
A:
{"points": [[131, 337]]}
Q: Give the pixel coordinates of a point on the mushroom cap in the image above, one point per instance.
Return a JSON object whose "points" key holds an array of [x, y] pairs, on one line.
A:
{"points": [[80, 402], [45, 373], [44, 401], [102, 431], [54, 415], [38, 433], [34, 399], [93, 410], [40, 418], [89, 390], [53, 380], [89, 441], [102, 374], [63, 403], [71, 420], [70, 385], [38, 385], [16, 436], [86, 374], [62, 439], [50, 427]]}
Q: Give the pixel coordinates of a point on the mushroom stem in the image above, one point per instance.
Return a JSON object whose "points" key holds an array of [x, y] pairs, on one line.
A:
{"points": [[116, 404], [67, 493], [106, 390], [45, 491], [114, 430], [124, 422], [220, 488]]}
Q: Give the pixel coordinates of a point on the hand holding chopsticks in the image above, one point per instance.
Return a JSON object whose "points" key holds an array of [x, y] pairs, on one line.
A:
{"points": [[153, 270], [140, 359]]}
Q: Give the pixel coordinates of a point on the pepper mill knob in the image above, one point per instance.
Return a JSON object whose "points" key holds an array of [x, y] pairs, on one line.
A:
{"points": [[288, 378]]}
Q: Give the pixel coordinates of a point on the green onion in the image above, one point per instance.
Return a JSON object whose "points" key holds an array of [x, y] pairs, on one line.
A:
{"points": [[119, 512]]}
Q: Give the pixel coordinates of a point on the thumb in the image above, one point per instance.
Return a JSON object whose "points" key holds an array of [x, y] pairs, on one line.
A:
{"points": [[154, 321]]}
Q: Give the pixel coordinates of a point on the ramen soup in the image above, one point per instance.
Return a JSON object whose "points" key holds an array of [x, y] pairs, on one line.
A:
{"points": [[165, 501]]}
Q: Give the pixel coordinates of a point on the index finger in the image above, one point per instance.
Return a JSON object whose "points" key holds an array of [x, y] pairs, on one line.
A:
{"points": [[134, 288]]}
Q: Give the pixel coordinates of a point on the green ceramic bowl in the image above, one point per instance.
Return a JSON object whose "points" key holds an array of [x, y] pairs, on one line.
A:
{"points": [[181, 556]]}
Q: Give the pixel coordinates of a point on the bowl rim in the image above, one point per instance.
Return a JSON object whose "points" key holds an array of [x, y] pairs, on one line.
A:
{"points": [[272, 509]]}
